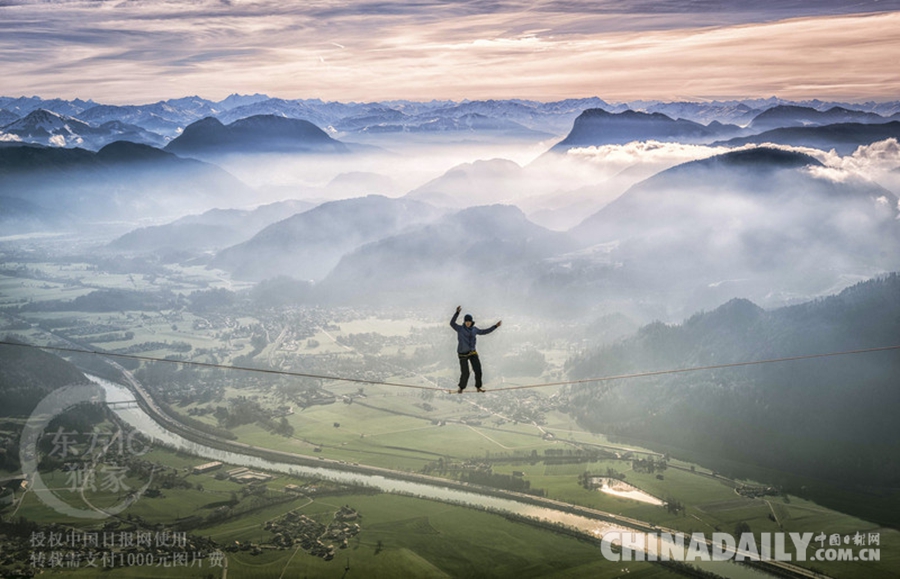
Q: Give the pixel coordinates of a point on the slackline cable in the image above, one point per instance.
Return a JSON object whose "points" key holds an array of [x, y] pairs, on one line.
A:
{"points": [[700, 368], [400, 385], [221, 366]]}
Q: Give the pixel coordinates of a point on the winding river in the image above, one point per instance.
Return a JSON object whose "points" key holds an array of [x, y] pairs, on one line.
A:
{"points": [[140, 420]]}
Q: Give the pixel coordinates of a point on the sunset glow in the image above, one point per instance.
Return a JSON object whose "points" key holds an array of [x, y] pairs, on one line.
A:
{"points": [[130, 52]]}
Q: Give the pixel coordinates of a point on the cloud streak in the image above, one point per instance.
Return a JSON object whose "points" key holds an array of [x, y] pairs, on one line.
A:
{"points": [[875, 161], [134, 51]]}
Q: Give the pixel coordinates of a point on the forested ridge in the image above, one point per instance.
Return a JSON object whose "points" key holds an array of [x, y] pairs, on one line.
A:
{"points": [[28, 374], [831, 418]]}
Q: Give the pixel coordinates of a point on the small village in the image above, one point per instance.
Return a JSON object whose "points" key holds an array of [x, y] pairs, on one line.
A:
{"points": [[294, 528]]}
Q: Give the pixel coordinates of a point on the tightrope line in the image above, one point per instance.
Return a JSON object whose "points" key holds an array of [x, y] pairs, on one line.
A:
{"points": [[220, 366], [699, 368], [419, 387]]}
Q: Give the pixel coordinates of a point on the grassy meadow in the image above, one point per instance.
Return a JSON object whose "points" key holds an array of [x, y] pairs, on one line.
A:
{"points": [[520, 434]]}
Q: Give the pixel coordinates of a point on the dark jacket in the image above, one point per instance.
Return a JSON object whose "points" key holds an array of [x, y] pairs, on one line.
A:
{"points": [[466, 336]]}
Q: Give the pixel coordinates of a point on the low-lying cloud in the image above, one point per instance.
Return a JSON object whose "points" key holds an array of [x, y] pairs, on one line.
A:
{"points": [[615, 158], [876, 158], [869, 161]]}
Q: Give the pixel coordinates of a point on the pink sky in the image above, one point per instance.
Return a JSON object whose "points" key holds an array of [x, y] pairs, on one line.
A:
{"points": [[353, 51]]}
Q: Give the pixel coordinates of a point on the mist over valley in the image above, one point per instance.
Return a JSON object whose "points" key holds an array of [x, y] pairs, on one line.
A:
{"points": [[592, 208]]}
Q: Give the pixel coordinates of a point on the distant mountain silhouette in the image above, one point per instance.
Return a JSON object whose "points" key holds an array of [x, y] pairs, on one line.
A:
{"points": [[842, 137], [163, 118], [20, 216], [478, 183], [785, 116], [122, 180], [725, 112], [470, 122], [763, 223], [53, 129], [214, 229], [48, 128], [757, 171], [477, 252], [541, 189], [310, 244], [595, 127], [353, 183], [256, 134], [488, 119]]}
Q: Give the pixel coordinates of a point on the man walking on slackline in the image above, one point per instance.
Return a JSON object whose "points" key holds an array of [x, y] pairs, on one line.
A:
{"points": [[466, 334]]}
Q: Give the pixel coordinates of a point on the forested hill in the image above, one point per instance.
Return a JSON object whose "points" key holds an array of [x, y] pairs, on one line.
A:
{"points": [[832, 418], [28, 374]]}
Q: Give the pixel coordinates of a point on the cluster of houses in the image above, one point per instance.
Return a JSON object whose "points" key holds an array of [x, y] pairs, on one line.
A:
{"points": [[313, 537], [525, 408], [316, 397], [753, 492]]}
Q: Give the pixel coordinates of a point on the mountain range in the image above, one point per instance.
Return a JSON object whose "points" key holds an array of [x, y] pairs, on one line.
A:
{"points": [[167, 119], [767, 224], [844, 138], [762, 223], [836, 128], [62, 187], [784, 116], [160, 122], [308, 245], [468, 255], [731, 223], [211, 230], [48, 128]]}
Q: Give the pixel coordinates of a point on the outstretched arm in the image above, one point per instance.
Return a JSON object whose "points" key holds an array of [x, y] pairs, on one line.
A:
{"points": [[492, 328], [453, 323]]}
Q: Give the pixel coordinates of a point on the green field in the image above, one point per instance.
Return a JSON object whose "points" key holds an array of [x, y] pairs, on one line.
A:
{"points": [[375, 434], [400, 537], [509, 433]]}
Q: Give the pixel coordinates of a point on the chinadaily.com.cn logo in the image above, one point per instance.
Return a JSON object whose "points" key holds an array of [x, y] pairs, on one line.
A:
{"points": [[786, 547], [87, 460]]}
